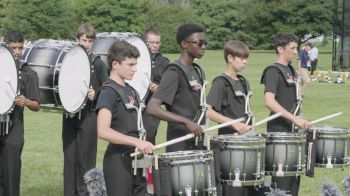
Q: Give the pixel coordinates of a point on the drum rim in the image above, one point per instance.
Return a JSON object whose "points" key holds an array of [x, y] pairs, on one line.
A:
{"points": [[189, 153], [10, 109]]}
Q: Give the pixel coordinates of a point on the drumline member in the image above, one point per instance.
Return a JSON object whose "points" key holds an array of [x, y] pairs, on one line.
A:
{"points": [[281, 95], [11, 145], [79, 131], [180, 89], [159, 65], [117, 122], [224, 102]]}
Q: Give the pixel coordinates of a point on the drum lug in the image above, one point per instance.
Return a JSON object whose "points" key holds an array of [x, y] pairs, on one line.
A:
{"points": [[280, 169], [237, 182], [188, 190], [329, 164]]}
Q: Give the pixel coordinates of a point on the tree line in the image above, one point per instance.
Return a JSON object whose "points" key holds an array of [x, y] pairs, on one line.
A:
{"points": [[252, 21]]}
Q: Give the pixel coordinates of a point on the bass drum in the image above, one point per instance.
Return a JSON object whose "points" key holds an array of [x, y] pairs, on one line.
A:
{"points": [[9, 77], [143, 75], [64, 71]]}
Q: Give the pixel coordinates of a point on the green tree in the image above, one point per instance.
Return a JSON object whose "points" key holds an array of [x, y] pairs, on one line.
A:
{"points": [[110, 16], [167, 18], [264, 18], [222, 19], [37, 18]]}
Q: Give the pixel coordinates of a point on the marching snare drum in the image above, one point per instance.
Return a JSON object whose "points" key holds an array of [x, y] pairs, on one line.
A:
{"points": [[142, 77], [285, 154], [191, 172], [64, 72], [242, 159], [332, 146]]}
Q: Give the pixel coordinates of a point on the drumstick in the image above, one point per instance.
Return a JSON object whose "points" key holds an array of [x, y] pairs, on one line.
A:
{"points": [[84, 81], [191, 135], [8, 81], [267, 119], [325, 118]]}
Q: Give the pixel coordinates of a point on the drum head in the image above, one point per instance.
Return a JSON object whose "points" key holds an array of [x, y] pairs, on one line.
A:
{"points": [[74, 79], [142, 77], [8, 80]]}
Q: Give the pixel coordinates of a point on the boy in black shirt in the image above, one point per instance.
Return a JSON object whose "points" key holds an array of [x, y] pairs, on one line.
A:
{"points": [[180, 89], [79, 131], [117, 122], [281, 96], [11, 145]]}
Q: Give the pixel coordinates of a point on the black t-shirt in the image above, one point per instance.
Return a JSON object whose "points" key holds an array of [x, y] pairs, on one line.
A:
{"points": [[178, 98], [223, 100], [160, 64], [99, 76], [123, 120], [285, 95], [29, 88]]}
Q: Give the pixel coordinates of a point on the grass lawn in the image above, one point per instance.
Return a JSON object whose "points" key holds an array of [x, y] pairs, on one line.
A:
{"points": [[42, 159]]}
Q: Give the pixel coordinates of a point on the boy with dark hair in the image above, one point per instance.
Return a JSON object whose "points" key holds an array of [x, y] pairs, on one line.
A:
{"points": [[11, 144], [117, 122], [159, 65], [180, 89], [79, 131], [281, 96]]}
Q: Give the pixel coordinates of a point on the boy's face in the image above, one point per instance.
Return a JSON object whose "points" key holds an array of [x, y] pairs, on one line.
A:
{"points": [[17, 48], [86, 42], [289, 52], [126, 69], [195, 45], [238, 63], [153, 43]]}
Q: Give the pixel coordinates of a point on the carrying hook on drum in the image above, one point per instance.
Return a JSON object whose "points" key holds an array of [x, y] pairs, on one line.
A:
{"points": [[8, 81], [84, 81]]}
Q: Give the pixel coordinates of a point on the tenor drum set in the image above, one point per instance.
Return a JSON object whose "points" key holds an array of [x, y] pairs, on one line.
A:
{"points": [[246, 160]]}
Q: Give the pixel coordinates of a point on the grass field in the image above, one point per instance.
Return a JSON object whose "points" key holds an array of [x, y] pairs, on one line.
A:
{"points": [[42, 159]]}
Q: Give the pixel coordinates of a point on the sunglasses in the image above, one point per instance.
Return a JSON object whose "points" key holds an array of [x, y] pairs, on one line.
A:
{"points": [[199, 43]]}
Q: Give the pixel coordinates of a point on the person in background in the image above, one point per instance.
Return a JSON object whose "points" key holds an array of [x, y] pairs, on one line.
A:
{"points": [[159, 65], [11, 144], [313, 55], [79, 131], [303, 67]]}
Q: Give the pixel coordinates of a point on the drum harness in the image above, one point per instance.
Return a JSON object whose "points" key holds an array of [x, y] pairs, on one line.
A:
{"points": [[246, 95]]}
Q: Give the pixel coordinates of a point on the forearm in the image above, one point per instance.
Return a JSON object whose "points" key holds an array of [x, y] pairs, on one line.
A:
{"points": [[274, 106], [115, 137], [32, 105], [217, 117]]}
